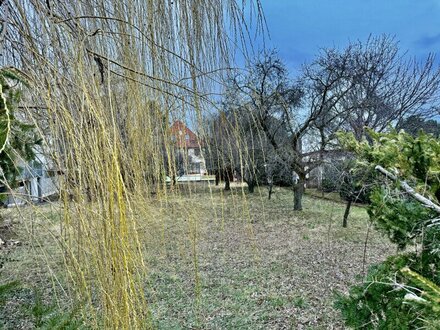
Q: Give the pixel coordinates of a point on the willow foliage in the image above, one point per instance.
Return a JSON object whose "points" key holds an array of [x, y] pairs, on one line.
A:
{"points": [[107, 78]]}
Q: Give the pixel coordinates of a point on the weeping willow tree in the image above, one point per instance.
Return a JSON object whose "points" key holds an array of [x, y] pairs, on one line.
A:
{"points": [[107, 78]]}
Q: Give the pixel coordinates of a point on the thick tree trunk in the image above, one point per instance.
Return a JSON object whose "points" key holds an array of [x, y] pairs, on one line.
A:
{"points": [[346, 214], [298, 192]]}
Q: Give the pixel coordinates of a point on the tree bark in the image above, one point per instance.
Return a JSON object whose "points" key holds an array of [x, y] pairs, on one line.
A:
{"points": [[298, 192], [270, 190], [346, 214]]}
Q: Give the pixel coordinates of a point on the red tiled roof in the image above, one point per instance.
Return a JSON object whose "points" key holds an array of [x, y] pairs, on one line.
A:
{"points": [[184, 137]]}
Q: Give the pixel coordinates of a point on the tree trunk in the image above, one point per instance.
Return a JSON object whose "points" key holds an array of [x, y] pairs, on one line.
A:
{"points": [[270, 190], [39, 190], [347, 212], [217, 178], [227, 182], [298, 192], [251, 187]]}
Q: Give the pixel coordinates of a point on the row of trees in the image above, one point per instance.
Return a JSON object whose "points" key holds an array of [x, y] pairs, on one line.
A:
{"points": [[348, 107], [271, 124]]}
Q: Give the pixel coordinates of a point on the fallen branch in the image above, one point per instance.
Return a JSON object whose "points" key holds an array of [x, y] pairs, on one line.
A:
{"points": [[409, 190], [434, 222]]}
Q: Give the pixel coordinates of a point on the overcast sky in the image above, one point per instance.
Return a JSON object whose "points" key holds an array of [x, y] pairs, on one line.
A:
{"points": [[298, 28]]}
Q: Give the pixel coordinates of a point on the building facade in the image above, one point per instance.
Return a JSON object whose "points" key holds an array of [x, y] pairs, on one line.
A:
{"points": [[190, 149]]}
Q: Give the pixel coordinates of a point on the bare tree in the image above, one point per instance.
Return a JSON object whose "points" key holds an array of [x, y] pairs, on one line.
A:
{"points": [[289, 115], [388, 87], [414, 123], [366, 84], [235, 145]]}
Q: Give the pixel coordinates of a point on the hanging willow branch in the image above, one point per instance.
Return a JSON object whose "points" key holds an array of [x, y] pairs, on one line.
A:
{"points": [[111, 77]]}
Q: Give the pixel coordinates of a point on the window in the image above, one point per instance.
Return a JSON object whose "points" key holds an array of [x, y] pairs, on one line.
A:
{"points": [[197, 152], [186, 137], [36, 168]]}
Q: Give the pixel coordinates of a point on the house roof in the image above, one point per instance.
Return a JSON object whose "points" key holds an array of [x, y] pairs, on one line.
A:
{"points": [[184, 137]]}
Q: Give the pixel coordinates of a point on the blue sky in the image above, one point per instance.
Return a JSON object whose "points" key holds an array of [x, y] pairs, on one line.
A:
{"points": [[299, 28]]}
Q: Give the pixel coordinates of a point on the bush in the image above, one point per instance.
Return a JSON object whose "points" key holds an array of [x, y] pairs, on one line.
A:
{"points": [[377, 303], [357, 182], [403, 292]]}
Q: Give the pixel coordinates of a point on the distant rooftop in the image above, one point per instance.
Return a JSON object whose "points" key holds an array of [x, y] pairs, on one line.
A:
{"points": [[184, 137]]}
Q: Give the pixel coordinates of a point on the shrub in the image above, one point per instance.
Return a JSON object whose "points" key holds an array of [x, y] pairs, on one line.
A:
{"points": [[402, 292]]}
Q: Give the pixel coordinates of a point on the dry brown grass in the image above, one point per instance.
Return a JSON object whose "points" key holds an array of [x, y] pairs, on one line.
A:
{"points": [[231, 261]]}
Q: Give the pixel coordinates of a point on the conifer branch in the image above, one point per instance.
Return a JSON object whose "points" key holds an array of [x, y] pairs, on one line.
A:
{"points": [[409, 190]]}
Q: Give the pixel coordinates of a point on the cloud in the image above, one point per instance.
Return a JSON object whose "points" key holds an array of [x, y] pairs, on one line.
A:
{"points": [[299, 28], [429, 41]]}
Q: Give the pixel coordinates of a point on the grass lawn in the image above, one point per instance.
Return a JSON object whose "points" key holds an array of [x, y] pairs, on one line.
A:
{"points": [[218, 260]]}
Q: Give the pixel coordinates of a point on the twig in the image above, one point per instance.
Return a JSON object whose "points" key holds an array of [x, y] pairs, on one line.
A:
{"points": [[364, 256]]}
